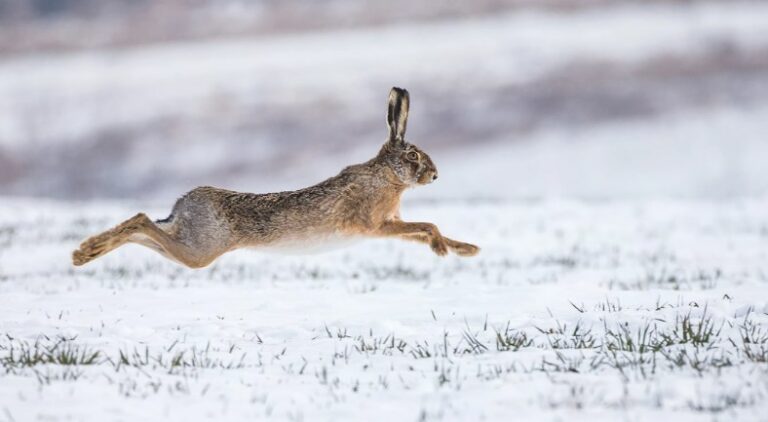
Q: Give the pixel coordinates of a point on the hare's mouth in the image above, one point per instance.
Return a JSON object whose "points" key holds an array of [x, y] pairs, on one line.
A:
{"points": [[427, 177]]}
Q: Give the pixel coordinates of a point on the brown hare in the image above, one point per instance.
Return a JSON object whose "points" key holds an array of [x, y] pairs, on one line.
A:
{"points": [[361, 201]]}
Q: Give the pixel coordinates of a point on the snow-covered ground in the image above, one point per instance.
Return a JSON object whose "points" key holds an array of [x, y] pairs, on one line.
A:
{"points": [[631, 310], [644, 299]]}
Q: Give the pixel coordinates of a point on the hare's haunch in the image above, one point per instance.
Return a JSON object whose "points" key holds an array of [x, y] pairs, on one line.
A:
{"points": [[361, 201]]}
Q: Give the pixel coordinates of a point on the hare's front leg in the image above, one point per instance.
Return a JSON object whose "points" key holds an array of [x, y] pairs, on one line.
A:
{"points": [[457, 247], [462, 248], [427, 231]]}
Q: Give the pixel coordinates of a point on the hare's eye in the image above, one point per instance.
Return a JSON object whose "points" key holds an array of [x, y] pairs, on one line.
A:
{"points": [[413, 156]]}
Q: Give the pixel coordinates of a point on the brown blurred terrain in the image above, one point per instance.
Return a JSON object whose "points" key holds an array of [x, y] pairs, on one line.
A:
{"points": [[46, 25]]}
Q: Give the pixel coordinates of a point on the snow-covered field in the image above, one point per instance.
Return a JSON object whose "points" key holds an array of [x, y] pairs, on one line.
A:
{"points": [[616, 310], [645, 299]]}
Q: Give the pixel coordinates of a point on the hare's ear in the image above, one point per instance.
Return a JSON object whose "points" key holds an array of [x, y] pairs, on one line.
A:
{"points": [[397, 115]]}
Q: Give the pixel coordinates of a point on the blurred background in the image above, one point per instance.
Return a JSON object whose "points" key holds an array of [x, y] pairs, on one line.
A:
{"points": [[140, 99]]}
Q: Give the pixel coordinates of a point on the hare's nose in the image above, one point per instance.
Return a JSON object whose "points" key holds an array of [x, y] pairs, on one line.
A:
{"points": [[434, 177]]}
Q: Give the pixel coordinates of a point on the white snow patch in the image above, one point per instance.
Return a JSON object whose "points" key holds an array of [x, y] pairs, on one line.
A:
{"points": [[387, 330]]}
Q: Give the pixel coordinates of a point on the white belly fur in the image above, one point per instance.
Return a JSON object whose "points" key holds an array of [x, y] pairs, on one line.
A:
{"points": [[310, 245]]}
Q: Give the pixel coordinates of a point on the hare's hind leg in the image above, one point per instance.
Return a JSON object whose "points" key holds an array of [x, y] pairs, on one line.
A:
{"points": [[101, 244], [141, 230], [151, 236]]}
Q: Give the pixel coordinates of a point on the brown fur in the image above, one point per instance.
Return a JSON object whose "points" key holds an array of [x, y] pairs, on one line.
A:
{"points": [[362, 200]]}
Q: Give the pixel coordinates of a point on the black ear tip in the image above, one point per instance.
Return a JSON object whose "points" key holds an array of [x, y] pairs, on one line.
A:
{"points": [[399, 90]]}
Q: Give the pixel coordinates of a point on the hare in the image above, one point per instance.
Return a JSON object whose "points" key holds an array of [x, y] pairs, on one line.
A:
{"points": [[361, 201]]}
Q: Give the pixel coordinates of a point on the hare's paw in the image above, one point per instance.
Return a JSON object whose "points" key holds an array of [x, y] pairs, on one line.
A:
{"points": [[439, 247], [87, 254], [465, 249], [95, 243], [93, 248], [83, 256], [80, 258]]}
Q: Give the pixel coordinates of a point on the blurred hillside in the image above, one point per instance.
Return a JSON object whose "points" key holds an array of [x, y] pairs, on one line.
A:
{"points": [[144, 99], [37, 25]]}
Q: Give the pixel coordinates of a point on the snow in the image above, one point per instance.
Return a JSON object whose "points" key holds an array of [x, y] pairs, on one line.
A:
{"points": [[292, 337], [655, 223]]}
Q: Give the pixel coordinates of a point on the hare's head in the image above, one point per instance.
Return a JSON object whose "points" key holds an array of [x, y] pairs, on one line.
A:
{"points": [[412, 165]]}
